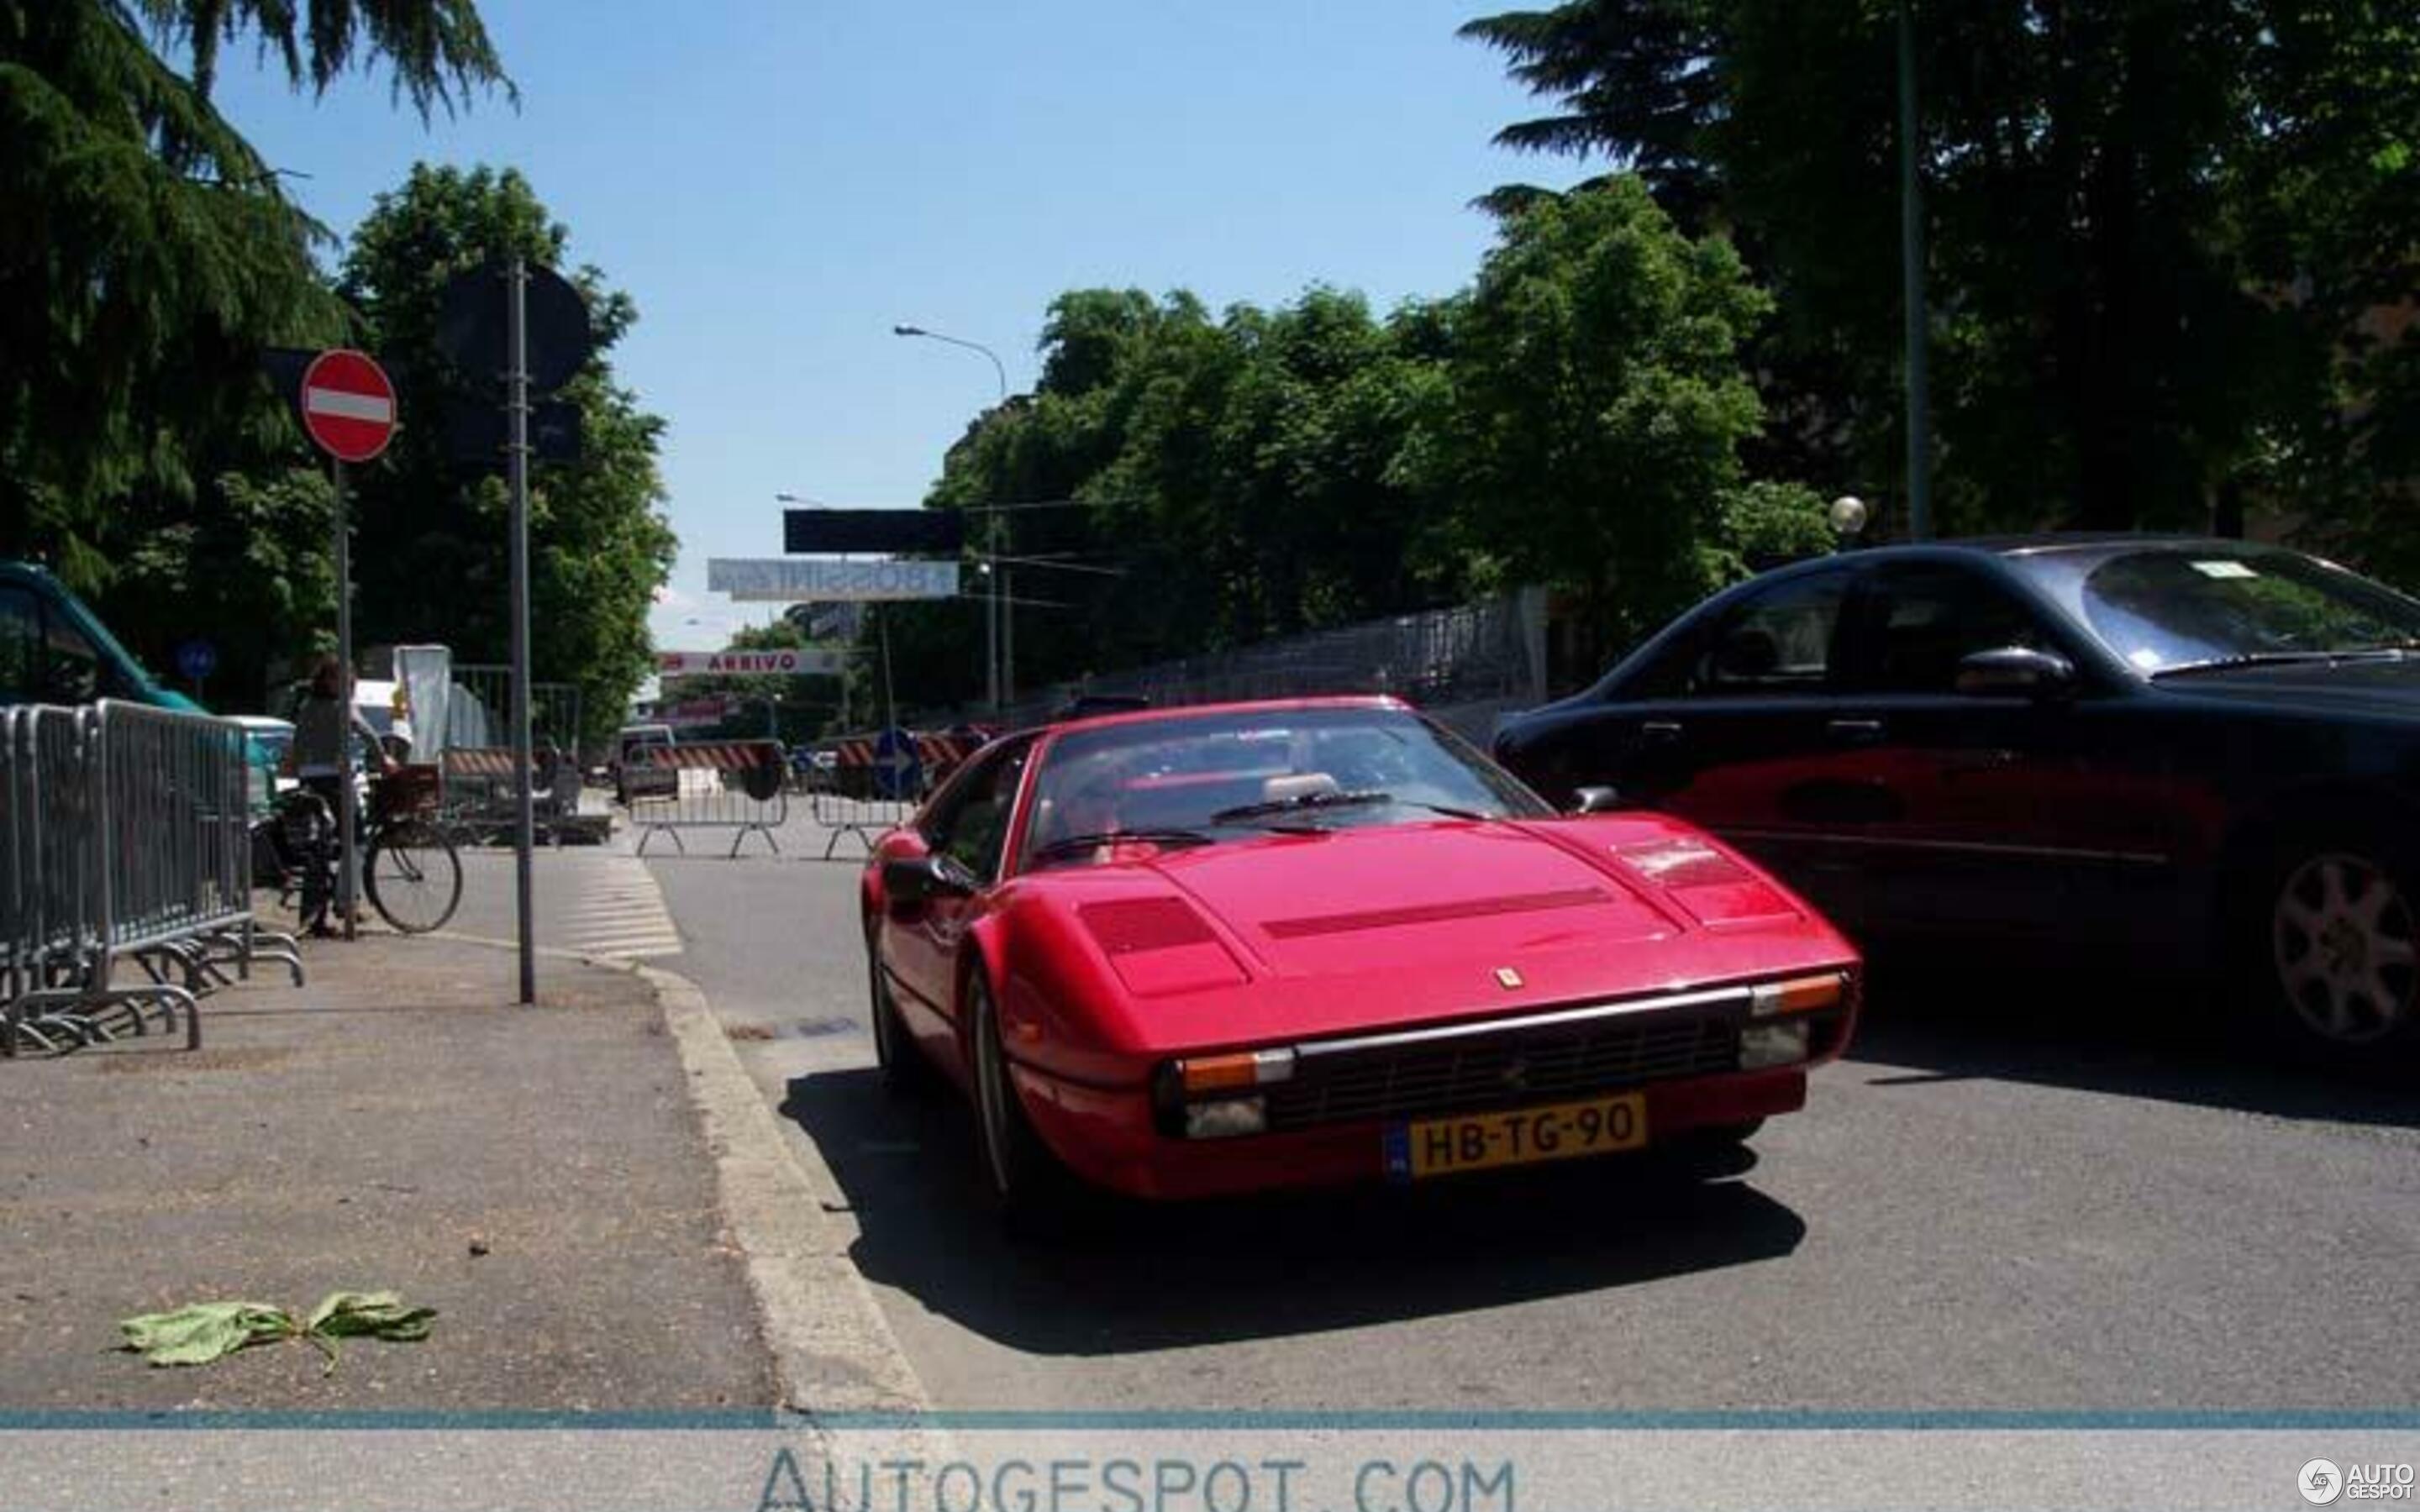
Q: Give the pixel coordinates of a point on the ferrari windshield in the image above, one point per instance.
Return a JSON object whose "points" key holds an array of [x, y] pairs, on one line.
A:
{"points": [[1208, 777], [2173, 609]]}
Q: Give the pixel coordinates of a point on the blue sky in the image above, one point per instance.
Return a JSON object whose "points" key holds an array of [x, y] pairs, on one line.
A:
{"points": [[778, 182]]}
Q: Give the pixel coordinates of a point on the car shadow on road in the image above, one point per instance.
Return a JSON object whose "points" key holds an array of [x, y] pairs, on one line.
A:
{"points": [[1144, 1277], [2104, 1027]]}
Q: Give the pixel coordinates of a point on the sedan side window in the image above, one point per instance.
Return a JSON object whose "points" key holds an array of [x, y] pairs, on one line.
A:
{"points": [[1778, 641], [1927, 618], [972, 827]]}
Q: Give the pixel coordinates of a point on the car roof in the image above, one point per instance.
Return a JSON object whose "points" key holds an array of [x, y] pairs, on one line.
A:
{"points": [[1206, 711], [2057, 543]]}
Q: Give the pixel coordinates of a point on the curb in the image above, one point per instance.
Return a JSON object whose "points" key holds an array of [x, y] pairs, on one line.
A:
{"points": [[832, 1347], [833, 1351]]}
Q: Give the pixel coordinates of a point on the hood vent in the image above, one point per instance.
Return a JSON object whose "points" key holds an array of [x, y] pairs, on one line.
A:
{"points": [[1129, 924], [1523, 903]]}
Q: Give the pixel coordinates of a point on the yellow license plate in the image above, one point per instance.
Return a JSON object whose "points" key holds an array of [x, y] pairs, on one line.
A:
{"points": [[1520, 1137]]}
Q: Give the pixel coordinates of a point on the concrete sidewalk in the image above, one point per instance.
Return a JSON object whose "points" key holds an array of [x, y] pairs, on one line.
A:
{"points": [[537, 1175]]}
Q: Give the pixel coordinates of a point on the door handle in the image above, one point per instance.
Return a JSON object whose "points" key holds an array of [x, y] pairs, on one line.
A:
{"points": [[1854, 732], [1979, 762], [1659, 731]]}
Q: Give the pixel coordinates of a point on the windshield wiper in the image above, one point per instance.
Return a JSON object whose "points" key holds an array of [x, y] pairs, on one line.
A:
{"points": [[2281, 658], [1361, 797], [1068, 844], [1330, 798]]}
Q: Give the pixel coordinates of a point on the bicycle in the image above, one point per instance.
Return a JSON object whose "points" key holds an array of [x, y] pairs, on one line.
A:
{"points": [[411, 870]]}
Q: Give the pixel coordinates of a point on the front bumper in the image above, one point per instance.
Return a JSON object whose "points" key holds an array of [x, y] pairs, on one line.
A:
{"points": [[1111, 1138]]}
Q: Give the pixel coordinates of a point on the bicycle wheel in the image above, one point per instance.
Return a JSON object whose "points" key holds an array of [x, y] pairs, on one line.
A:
{"points": [[415, 879]]}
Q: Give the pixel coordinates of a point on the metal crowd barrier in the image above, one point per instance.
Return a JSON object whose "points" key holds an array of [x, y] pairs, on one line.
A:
{"points": [[739, 785], [849, 814], [481, 805], [125, 843]]}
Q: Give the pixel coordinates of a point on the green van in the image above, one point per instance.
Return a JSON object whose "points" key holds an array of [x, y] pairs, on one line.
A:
{"points": [[52, 650]]}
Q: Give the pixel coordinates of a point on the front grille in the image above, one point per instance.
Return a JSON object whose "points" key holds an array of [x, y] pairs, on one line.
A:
{"points": [[1471, 1073]]}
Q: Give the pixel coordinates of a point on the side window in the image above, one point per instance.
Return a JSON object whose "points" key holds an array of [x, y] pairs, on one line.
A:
{"points": [[1924, 618], [72, 669], [20, 632], [1778, 642], [971, 825]]}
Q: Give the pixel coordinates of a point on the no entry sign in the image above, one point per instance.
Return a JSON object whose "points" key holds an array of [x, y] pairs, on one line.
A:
{"points": [[348, 404]]}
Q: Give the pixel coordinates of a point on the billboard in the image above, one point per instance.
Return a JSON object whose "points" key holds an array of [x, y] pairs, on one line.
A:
{"points": [[789, 579], [873, 532], [786, 661]]}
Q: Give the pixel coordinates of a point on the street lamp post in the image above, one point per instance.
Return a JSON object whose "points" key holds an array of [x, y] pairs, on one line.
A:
{"points": [[1911, 232], [999, 627]]}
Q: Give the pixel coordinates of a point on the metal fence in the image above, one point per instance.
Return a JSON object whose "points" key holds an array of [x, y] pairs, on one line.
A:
{"points": [[739, 785], [479, 710], [857, 814], [125, 849], [1464, 666], [480, 802]]}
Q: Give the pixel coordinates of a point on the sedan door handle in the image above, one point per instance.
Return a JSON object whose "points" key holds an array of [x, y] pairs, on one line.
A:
{"points": [[1987, 761], [1663, 731], [1854, 732]]}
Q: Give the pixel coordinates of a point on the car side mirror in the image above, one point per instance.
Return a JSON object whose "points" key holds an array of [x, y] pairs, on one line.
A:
{"points": [[1595, 800], [919, 879], [2015, 672]]}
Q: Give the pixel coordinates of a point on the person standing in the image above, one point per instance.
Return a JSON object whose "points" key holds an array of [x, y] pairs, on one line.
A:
{"points": [[323, 727]]}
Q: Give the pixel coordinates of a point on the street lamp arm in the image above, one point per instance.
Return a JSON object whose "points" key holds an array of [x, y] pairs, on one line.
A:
{"points": [[999, 370]]}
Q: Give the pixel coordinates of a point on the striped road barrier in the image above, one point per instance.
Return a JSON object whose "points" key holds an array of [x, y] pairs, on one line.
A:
{"points": [[719, 784]]}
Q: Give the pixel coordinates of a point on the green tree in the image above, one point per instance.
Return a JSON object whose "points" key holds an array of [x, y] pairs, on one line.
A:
{"points": [[2157, 228], [1596, 408], [1235, 477], [147, 252], [431, 559], [245, 565]]}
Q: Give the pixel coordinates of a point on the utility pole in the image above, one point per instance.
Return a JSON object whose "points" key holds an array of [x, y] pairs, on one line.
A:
{"points": [[518, 450], [1911, 227]]}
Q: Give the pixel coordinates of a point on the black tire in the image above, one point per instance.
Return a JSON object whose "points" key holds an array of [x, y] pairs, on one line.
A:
{"points": [[2327, 943], [1033, 1193], [413, 877], [901, 1063], [1724, 1135]]}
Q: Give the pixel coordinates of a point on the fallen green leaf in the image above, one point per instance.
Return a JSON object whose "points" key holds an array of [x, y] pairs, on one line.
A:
{"points": [[369, 1314], [205, 1330], [202, 1332]]}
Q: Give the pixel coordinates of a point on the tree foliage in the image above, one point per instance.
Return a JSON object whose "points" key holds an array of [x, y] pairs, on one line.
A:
{"points": [[1577, 417], [2161, 232], [1596, 407], [148, 254], [430, 560]]}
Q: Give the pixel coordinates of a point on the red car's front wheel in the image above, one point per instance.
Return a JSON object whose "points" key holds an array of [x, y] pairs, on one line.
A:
{"points": [[894, 1053], [1027, 1181]]}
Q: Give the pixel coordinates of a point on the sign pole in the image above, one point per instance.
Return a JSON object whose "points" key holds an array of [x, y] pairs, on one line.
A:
{"points": [[345, 823], [517, 380]]}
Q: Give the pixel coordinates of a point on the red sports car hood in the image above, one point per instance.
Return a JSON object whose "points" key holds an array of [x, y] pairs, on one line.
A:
{"points": [[1296, 936]]}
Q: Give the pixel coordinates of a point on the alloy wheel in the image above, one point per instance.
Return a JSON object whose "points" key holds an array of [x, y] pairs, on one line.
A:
{"points": [[2345, 947]]}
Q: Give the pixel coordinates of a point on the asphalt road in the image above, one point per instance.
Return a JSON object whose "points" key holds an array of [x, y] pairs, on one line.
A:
{"points": [[2049, 1189]]}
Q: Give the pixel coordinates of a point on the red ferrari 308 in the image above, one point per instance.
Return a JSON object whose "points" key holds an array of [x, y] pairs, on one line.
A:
{"points": [[1216, 949]]}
